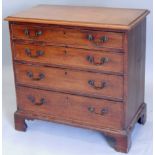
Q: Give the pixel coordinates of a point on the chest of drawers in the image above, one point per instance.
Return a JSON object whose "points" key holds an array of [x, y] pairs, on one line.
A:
{"points": [[82, 66]]}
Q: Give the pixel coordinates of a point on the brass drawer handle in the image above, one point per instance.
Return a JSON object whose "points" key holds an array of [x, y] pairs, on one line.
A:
{"points": [[91, 109], [32, 99], [38, 53], [26, 32], [102, 112], [103, 60], [37, 33], [31, 76], [102, 39], [90, 37], [92, 84]]}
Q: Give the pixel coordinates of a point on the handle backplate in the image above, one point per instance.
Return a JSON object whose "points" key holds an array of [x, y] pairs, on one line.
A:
{"points": [[91, 60], [38, 53], [92, 84], [33, 100], [102, 112], [31, 76], [97, 42], [32, 33]]}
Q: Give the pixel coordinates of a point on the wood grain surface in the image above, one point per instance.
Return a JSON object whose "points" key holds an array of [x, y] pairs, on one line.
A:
{"points": [[68, 36], [101, 61], [102, 17], [71, 81], [65, 106]]}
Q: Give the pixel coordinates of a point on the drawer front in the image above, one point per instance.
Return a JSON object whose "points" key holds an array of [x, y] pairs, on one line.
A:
{"points": [[92, 84], [78, 58], [94, 112], [69, 37]]}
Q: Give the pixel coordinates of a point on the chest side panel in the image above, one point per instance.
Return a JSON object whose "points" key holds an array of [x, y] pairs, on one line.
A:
{"points": [[135, 70]]}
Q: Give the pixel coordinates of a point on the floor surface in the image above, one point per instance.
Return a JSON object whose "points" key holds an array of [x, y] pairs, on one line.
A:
{"points": [[45, 138]]}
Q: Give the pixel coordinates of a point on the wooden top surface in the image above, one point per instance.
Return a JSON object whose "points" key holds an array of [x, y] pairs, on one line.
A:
{"points": [[99, 17]]}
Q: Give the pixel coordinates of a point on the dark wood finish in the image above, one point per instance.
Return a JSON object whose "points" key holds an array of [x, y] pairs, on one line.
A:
{"points": [[135, 70], [101, 61], [71, 81], [122, 142], [142, 117], [60, 75], [68, 36], [20, 123]]}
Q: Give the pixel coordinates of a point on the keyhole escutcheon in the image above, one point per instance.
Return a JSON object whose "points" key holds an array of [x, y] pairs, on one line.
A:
{"points": [[65, 52]]}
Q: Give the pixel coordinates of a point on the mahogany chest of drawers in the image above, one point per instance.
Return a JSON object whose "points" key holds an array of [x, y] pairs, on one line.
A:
{"points": [[82, 66]]}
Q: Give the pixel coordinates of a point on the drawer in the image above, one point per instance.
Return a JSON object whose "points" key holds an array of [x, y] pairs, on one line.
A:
{"points": [[76, 82], [94, 112], [70, 57], [69, 37]]}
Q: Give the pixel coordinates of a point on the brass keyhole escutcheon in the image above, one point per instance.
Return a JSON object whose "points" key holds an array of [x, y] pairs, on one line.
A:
{"points": [[67, 101], [64, 32], [65, 52]]}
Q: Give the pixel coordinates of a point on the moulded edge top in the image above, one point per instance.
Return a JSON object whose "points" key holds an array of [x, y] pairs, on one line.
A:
{"points": [[49, 16]]}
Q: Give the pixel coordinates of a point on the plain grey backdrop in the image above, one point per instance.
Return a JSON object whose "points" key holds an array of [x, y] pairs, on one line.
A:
{"points": [[43, 138]]}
